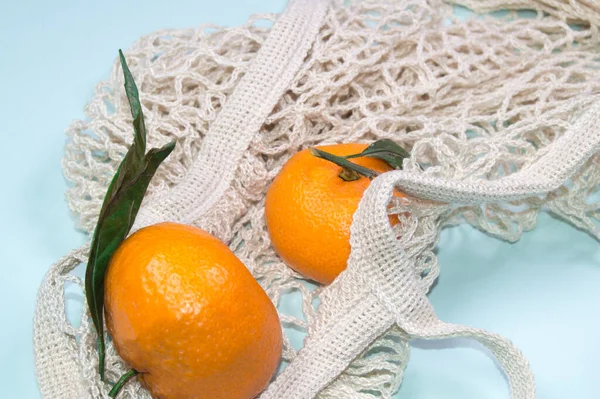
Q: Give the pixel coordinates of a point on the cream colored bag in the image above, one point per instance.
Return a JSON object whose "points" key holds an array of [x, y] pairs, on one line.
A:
{"points": [[502, 115]]}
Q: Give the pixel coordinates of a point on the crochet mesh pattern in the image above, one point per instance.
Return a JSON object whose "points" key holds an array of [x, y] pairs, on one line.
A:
{"points": [[474, 101]]}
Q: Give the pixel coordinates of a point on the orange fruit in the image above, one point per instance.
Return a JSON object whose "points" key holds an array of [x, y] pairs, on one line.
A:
{"points": [[185, 312], [309, 210]]}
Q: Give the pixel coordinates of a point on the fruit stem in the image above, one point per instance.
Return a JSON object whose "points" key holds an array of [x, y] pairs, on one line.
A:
{"points": [[348, 175], [122, 381], [350, 170]]}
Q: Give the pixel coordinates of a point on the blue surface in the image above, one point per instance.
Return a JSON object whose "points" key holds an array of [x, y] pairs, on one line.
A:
{"points": [[542, 292]]}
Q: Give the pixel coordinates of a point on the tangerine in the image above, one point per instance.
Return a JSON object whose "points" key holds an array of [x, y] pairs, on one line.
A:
{"points": [[309, 210], [185, 313]]}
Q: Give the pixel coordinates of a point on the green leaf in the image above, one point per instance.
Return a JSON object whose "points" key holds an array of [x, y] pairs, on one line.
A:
{"points": [[119, 209], [345, 164], [134, 157], [386, 150]]}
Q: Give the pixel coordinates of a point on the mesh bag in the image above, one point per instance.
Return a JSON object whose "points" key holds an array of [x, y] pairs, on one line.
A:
{"points": [[500, 113]]}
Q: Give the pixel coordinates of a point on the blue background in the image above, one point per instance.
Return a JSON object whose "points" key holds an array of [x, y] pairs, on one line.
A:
{"points": [[541, 292]]}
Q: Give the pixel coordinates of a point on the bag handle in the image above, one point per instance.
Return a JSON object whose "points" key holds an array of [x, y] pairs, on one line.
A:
{"points": [[392, 278], [270, 74], [559, 161], [57, 366]]}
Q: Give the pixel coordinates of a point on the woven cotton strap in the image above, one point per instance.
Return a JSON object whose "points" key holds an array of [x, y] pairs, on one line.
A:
{"points": [[561, 160], [269, 76], [56, 365], [396, 295], [377, 252]]}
